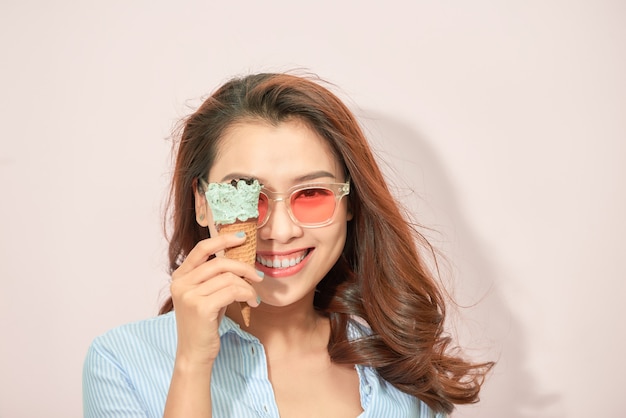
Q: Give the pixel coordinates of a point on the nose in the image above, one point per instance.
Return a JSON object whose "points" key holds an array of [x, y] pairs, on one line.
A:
{"points": [[279, 226]]}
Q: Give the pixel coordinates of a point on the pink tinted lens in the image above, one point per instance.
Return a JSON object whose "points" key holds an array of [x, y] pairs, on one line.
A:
{"points": [[313, 205]]}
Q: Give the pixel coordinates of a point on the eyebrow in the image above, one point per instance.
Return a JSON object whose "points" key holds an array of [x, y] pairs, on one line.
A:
{"points": [[306, 177], [315, 175]]}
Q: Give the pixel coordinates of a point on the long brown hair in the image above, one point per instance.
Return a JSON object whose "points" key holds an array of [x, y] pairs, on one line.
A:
{"points": [[380, 277]]}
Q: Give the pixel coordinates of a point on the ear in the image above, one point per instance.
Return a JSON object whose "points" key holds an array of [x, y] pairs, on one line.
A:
{"points": [[349, 214], [201, 205]]}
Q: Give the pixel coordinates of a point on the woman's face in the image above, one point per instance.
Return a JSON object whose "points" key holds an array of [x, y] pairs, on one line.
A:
{"points": [[281, 157]]}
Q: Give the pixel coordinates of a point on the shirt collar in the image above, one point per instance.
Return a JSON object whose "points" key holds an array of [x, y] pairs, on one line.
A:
{"points": [[228, 326]]}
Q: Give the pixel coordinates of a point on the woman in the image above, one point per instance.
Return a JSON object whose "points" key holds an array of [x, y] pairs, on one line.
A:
{"points": [[347, 320]]}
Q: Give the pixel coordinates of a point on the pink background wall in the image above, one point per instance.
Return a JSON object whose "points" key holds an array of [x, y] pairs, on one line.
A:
{"points": [[501, 123]]}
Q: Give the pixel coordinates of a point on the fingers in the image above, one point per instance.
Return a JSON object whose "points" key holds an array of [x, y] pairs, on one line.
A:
{"points": [[218, 282], [196, 269], [205, 249], [208, 299], [221, 291], [209, 270]]}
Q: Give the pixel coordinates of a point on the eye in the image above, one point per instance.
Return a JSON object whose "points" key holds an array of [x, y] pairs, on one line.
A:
{"points": [[312, 193]]}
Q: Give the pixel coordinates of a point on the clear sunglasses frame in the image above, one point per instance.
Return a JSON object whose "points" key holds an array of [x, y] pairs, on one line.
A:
{"points": [[338, 189]]}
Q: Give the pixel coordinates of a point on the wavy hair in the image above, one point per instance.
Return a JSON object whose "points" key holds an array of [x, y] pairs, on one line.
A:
{"points": [[380, 277]]}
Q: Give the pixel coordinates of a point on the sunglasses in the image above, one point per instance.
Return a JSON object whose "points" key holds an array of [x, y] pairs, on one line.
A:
{"points": [[310, 205]]}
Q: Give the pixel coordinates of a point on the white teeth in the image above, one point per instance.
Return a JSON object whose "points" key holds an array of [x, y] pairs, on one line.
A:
{"points": [[278, 263]]}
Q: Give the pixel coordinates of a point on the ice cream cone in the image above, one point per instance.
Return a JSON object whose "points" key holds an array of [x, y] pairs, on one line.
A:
{"points": [[245, 252], [235, 208]]}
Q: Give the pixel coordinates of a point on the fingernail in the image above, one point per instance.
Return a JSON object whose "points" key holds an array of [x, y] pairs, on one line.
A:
{"points": [[258, 299], [260, 273], [240, 234]]}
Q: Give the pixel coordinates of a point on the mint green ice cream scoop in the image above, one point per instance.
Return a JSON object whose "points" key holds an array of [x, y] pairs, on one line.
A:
{"points": [[234, 201]]}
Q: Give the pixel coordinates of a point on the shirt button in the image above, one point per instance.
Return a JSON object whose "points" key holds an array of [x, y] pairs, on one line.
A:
{"points": [[367, 389]]}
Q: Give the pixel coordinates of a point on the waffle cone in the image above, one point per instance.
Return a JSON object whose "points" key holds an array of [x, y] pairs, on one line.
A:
{"points": [[246, 253]]}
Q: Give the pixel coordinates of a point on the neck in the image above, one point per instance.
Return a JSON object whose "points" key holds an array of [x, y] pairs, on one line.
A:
{"points": [[294, 327]]}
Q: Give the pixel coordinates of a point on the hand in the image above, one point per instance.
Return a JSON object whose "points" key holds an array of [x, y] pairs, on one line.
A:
{"points": [[201, 290]]}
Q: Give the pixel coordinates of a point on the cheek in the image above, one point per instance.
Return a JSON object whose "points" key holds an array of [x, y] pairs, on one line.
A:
{"points": [[337, 237]]}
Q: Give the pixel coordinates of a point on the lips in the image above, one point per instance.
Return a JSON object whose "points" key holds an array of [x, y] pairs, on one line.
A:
{"points": [[284, 264]]}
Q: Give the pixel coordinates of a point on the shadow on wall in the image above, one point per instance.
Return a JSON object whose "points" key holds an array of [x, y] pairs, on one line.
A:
{"points": [[483, 323]]}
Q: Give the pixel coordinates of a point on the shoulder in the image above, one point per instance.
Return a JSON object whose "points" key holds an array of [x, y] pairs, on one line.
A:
{"points": [[151, 328], [380, 398], [151, 335], [131, 364], [358, 328]]}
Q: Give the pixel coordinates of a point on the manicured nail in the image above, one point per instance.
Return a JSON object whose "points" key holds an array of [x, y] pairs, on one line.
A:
{"points": [[240, 234], [258, 299], [260, 273]]}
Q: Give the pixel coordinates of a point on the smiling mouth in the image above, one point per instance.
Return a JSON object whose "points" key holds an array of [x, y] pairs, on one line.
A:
{"points": [[282, 261]]}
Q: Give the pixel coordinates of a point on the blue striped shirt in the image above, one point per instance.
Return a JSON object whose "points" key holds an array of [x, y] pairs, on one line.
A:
{"points": [[127, 373]]}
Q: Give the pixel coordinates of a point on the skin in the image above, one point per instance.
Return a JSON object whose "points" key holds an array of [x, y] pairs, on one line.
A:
{"points": [[295, 337]]}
